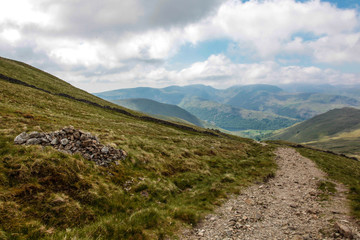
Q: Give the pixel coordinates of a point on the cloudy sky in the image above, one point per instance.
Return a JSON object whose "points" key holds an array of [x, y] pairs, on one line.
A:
{"points": [[109, 44]]}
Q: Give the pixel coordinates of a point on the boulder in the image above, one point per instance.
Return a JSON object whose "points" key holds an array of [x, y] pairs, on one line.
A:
{"points": [[21, 138], [34, 134], [33, 141]]}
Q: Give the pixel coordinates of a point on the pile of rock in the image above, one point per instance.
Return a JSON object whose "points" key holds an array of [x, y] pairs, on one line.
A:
{"points": [[70, 140]]}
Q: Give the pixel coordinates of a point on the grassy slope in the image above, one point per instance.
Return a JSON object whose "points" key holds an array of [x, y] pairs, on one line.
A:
{"points": [[175, 176], [337, 130], [157, 108], [234, 119], [338, 168]]}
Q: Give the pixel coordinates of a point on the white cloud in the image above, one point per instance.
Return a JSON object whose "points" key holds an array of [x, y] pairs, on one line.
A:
{"points": [[11, 35], [337, 49], [131, 40], [217, 71], [277, 26]]}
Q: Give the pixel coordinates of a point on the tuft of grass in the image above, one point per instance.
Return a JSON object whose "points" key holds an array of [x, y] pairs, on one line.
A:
{"points": [[327, 188]]}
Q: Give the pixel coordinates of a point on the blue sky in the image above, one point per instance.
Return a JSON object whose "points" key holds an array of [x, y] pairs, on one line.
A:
{"points": [[104, 45]]}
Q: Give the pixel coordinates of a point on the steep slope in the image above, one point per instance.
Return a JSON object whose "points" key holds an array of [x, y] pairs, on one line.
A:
{"points": [[173, 173], [157, 108], [337, 130], [234, 119]]}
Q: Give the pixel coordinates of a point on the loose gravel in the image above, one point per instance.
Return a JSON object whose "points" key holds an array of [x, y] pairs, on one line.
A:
{"points": [[286, 207]]}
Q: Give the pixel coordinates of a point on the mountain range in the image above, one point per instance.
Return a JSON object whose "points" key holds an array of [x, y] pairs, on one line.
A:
{"points": [[253, 107]]}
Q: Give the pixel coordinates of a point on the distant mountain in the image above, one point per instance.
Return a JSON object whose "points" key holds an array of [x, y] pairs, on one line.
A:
{"points": [[337, 130], [279, 108], [234, 119], [171, 95], [157, 108], [301, 106]]}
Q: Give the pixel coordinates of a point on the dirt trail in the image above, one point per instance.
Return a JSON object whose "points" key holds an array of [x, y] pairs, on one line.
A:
{"points": [[287, 207]]}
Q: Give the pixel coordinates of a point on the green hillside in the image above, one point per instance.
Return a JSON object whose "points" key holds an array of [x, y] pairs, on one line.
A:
{"points": [[157, 108], [269, 100], [301, 106], [337, 130], [173, 174], [234, 119]]}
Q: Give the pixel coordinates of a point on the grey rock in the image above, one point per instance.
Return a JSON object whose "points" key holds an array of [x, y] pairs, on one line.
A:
{"points": [[76, 135], [69, 129], [34, 134], [70, 141], [343, 230], [49, 137], [105, 150], [21, 138], [64, 141], [44, 140], [33, 141], [55, 141]]}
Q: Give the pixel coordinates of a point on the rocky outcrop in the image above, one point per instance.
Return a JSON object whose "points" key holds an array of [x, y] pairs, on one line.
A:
{"points": [[71, 141]]}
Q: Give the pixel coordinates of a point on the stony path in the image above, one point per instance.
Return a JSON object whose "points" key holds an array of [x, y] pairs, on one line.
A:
{"points": [[287, 207]]}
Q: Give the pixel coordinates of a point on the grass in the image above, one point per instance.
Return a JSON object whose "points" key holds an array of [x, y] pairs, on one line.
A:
{"points": [[170, 179], [338, 168], [324, 125], [327, 188]]}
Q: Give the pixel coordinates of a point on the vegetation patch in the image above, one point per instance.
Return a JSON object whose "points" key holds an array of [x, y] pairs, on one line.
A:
{"points": [[327, 188], [171, 177]]}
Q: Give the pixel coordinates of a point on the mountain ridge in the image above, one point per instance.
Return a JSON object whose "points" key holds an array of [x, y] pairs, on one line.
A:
{"points": [[337, 130], [156, 108]]}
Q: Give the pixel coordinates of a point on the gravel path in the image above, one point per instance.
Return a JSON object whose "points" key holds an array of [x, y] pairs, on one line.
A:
{"points": [[287, 207]]}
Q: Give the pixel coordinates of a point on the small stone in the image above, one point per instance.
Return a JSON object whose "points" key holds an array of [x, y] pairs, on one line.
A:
{"points": [[123, 153], [33, 141], [21, 138], [64, 141], [87, 142], [69, 129], [343, 230], [55, 141], [76, 135], [34, 134], [105, 150]]}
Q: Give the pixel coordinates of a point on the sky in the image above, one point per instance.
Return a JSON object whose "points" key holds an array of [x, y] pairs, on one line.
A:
{"points": [[110, 44]]}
